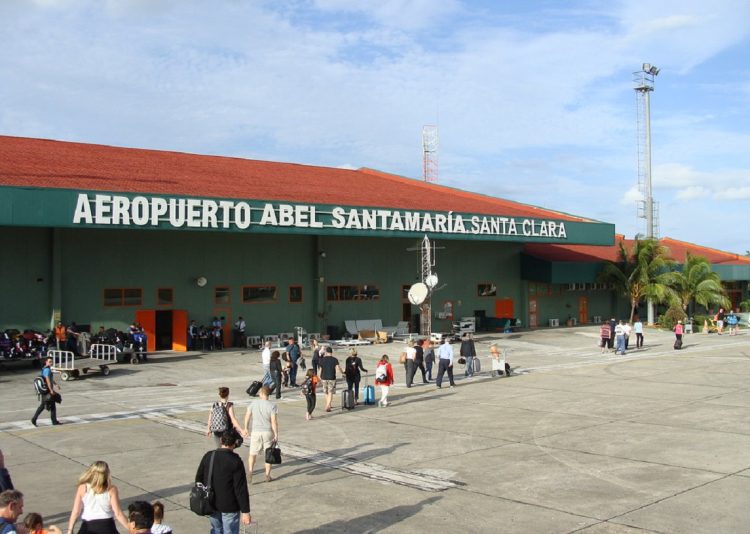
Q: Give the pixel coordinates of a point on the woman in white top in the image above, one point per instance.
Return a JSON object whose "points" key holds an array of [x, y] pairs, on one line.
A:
{"points": [[97, 502]]}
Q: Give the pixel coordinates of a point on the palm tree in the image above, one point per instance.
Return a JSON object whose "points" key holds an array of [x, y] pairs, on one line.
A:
{"points": [[641, 273], [698, 283]]}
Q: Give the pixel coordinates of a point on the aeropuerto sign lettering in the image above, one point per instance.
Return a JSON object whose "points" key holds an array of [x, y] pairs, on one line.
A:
{"points": [[201, 213]]}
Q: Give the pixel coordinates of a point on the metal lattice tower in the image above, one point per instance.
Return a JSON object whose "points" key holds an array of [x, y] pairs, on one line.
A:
{"points": [[647, 209], [430, 144]]}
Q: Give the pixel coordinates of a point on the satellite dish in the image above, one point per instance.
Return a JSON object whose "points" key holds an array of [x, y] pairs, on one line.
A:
{"points": [[431, 281], [201, 281], [418, 293]]}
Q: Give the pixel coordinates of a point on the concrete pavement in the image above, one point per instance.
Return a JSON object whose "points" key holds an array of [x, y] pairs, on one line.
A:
{"points": [[653, 441]]}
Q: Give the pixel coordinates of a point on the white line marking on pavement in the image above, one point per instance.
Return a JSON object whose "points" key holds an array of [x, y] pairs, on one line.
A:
{"points": [[420, 481]]}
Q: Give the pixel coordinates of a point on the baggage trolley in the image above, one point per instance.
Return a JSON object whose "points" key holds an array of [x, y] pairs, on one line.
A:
{"points": [[65, 363]]}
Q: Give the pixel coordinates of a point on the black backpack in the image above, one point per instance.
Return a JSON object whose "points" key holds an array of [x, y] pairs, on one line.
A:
{"points": [[40, 385]]}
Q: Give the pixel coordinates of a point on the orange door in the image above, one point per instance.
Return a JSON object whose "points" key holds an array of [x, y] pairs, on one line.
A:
{"points": [[179, 330], [532, 313], [504, 308], [147, 319], [583, 310]]}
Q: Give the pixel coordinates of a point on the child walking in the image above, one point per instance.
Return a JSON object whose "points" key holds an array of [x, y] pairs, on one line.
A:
{"points": [[35, 525], [308, 390]]}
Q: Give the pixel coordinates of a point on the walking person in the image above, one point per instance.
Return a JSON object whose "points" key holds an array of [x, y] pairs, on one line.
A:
{"points": [[264, 432], [678, 331], [315, 358], [384, 379], [276, 372], [468, 351], [719, 321], [638, 329], [445, 363], [61, 335], [429, 357], [292, 349], [328, 365], [229, 483], [611, 341], [97, 502], [409, 356], [239, 332], [620, 338], [732, 322], [352, 368], [309, 390], [605, 334], [49, 399], [628, 330], [221, 417], [265, 358], [419, 360]]}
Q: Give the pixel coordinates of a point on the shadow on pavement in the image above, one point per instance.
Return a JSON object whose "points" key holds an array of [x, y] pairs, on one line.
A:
{"points": [[373, 522]]}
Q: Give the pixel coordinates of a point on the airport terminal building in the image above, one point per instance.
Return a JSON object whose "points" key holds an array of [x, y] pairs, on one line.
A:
{"points": [[104, 235]]}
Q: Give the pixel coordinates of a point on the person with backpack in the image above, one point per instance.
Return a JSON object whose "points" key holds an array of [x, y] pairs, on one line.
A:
{"points": [[221, 418], [384, 379], [48, 396]]}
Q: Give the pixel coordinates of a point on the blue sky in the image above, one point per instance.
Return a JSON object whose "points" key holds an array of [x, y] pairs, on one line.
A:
{"points": [[534, 100]]}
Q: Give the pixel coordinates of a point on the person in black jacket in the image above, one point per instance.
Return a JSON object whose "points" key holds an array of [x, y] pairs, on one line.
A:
{"points": [[419, 360], [352, 369], [469, 352], [229, 483], [276, 371]]}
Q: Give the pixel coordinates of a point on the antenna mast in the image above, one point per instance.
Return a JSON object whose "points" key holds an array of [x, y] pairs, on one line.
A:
{"points": [[428, 262], [430, 144]]}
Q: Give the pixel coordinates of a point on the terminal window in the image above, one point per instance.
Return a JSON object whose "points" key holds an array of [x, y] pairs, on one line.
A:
{"points": [[295, 293], [123, 297], [165, 296], [256, 294], [353, 292], [221, 295]]}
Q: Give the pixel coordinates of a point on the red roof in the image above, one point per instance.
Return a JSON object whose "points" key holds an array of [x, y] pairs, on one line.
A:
{"points": [[26, 162], [593, 253]]}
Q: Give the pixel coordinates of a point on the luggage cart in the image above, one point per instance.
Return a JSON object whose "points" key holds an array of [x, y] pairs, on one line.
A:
{"points": [[65, 363]]}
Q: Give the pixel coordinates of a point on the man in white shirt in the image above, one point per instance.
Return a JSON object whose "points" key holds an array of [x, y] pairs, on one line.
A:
{"points": [[239, 332], [266, 360], [620, 338], [445, 355]]}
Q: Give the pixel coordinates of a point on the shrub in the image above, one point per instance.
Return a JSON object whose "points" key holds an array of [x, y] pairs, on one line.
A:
{"points": [[671, 316]]}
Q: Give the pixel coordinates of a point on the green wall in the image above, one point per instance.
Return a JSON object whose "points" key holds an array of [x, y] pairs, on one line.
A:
{"points": [[25, 278]]}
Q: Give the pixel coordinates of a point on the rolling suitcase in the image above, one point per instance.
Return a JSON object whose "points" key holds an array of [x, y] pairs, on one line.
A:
{"points": [[477, 365], [254, 388], [677, 344], [347, 399], [369, 394]]}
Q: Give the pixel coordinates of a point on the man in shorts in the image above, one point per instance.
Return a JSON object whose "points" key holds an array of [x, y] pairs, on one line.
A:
{"points": [[265, 429], [328, 365]]}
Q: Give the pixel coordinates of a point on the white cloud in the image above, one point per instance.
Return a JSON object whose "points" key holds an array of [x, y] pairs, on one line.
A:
{"points": [[692, 192]]}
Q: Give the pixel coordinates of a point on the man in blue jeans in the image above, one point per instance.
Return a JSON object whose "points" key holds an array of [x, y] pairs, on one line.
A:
{"points": [[469, 352], [292, 349], [229, 482]]}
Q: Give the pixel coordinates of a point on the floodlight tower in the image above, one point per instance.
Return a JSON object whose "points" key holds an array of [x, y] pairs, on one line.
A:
{"points": [[647, 208], [644, 85], [430, 143]]}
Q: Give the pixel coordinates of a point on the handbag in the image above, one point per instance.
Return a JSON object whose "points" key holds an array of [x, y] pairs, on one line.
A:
{"points": [[273, 454], [202, 496]]}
